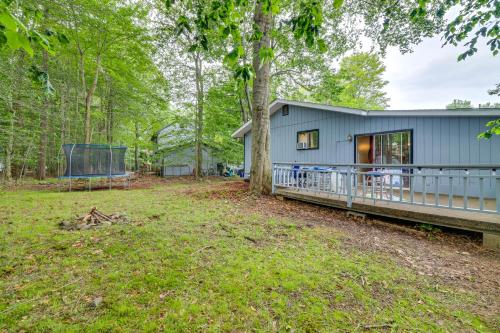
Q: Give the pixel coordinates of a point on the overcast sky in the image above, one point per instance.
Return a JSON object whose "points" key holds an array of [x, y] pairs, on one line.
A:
{"points": [[431, 77]]}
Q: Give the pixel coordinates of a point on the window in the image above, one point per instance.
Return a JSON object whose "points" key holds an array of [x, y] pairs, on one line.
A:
{"points": [[392, 148], [308, 139], [284, 110], [387, 148]]}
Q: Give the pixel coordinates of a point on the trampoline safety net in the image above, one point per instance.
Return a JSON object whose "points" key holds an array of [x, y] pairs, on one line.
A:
{"points": [[91, 160]]}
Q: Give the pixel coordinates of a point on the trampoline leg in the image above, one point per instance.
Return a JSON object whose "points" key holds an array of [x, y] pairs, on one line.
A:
{"points": [[70, 184], [110, 183], [90, 184]]}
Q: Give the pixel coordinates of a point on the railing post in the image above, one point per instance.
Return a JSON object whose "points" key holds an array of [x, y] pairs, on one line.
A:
{"points": [[273, 184], [497, 187], [348, 183]]}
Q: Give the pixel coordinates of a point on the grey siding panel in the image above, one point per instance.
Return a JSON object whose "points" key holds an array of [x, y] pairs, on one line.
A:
{"points": [[182, 161], [436, 140], [248, 153]]}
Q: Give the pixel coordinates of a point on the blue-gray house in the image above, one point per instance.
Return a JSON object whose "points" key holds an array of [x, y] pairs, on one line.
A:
{"points": [[309, 132], [419, 165]]}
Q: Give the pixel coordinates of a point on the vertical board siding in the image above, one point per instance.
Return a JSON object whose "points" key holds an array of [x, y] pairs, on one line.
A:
{"points": [[181, 162], [436, 140], [248, 153]]}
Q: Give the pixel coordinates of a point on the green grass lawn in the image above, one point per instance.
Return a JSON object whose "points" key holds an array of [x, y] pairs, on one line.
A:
{"points": [[194, 264]]}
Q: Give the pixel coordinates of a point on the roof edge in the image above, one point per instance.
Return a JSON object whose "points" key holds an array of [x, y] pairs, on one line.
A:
{"points": [[278, 103]]}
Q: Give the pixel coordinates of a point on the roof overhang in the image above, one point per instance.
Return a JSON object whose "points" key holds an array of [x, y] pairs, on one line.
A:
{"points": [[278, 103]]}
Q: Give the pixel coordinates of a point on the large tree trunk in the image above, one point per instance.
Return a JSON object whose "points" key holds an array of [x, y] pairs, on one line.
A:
{"points": [[88, 101], [44, 125], [199, 117], [260, 172]]}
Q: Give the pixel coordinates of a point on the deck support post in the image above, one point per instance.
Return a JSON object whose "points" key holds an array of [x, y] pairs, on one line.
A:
{"points": [[273, 184], [349, 187], [497, 187], [491, 241]]}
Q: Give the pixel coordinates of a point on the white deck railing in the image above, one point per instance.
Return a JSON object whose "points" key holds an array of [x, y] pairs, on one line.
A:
{"points": [[462, 187]]}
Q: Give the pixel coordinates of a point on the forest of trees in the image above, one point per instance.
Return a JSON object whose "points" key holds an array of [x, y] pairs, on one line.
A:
{"points": [[89, 78], [103, 72], [115, 72]]}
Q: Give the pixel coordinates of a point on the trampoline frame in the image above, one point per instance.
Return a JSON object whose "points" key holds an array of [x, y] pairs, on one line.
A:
{"points": [[110, 176]]}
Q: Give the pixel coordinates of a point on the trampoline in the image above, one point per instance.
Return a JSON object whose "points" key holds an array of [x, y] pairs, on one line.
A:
{"points": [[94, 161]]}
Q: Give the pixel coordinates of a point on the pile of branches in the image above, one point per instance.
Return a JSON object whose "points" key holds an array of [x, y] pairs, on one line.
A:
{"points": [[93, 218]]}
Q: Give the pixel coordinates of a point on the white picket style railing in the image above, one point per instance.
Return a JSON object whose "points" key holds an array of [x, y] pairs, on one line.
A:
{"points": [[462, 187]]}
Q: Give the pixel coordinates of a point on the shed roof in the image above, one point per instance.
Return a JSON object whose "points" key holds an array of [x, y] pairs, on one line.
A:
{"points": [[278, 103]]}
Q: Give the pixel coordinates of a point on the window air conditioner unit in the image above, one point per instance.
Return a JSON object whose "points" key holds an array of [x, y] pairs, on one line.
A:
{"points": [[302, 145]]}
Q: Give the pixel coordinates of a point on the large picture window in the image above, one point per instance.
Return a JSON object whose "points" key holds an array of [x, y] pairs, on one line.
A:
{"points": [[386, 148], [392, 148], [308, 139]]}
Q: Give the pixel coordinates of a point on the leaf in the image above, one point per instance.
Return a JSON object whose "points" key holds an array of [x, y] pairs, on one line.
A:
{"points": [[12, 39], [169, 3], [62, 38], [322, 45], [20, 25], [8, 21], [266, 54], [337, 3], [204, 42], [244, 72], [25, 44], [231, 58], [42, 41]]}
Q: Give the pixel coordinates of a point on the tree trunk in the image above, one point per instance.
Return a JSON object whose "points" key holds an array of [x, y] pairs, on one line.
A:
{"points": [[62, 111], [9, 149], [44, 125], [14, 107], [248, 99], [199, 116], [109, 115], [244, 114], [136, 146], [260, 172], [88, 101]]}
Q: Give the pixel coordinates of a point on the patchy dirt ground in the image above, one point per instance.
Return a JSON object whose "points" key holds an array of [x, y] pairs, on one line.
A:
{"points": [[449, 256], [451, 259], [137, 181]]}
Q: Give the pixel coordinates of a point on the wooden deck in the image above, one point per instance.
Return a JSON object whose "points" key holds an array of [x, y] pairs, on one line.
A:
{"points": [[486, 223]]}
